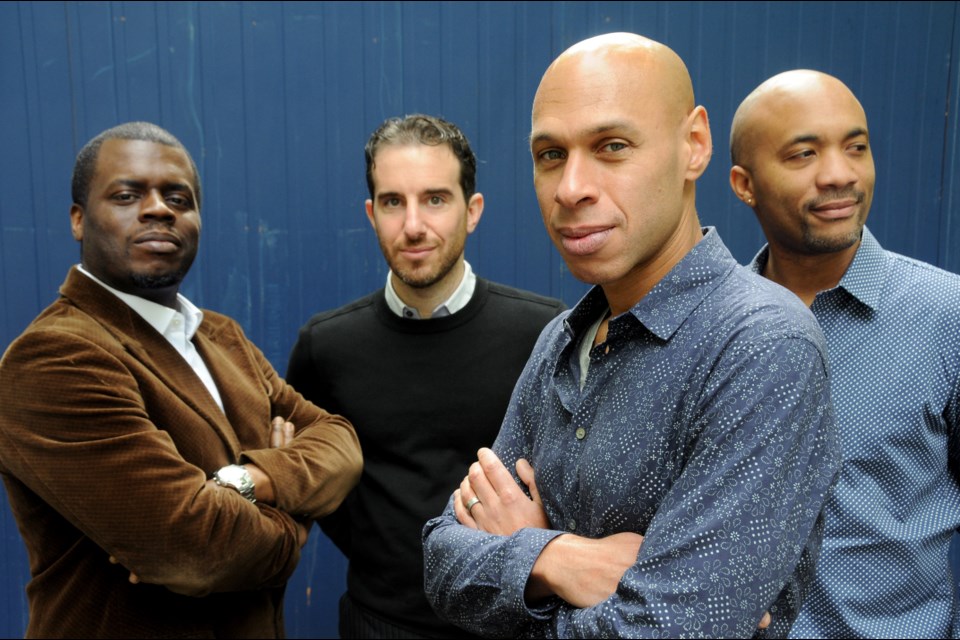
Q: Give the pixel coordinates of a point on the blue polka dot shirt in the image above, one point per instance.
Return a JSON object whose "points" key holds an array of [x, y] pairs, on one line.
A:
{"points": [[893, 336]]}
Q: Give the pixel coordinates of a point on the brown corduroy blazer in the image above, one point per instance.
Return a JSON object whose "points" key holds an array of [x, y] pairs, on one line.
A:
{"points": [[107, 439]]}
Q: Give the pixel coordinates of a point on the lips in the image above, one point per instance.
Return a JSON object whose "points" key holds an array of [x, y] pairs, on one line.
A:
{"points": [[158, 242], [584, 241], [836, 209], [416, 252]]}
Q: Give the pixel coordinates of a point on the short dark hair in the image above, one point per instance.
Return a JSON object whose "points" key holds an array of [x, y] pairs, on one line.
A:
{"points": [[86, 164], [429, 130]]}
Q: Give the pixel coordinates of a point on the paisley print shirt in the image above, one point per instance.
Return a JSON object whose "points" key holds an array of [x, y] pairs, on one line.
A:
{"points": [[704, 423]]}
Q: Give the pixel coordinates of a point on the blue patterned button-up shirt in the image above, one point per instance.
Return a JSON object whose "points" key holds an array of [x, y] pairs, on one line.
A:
{"points": [[704, 424], [893, 333]]}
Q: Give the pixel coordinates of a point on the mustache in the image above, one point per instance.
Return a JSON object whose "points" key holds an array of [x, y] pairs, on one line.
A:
{"points": [[847, 193]]}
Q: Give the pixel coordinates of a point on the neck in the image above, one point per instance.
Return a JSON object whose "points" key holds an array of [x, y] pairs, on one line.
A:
{"points": [[623, 294], [808, 275], [426, 299]]}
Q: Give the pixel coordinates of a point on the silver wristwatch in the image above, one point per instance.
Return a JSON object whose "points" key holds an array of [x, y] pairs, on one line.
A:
{"points": [[236, 477]]}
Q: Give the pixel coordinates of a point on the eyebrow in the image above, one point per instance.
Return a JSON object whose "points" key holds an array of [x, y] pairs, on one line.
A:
{"points": [[812, 137], [140, 184], [428, 192], [622, 125]]}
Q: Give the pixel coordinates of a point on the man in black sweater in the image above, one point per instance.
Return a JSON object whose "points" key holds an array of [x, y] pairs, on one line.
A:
{"points": [[423, 368]]}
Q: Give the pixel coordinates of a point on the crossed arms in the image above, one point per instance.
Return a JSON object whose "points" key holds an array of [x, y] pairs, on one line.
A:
{"points": [[726, 538], [97, 443]]}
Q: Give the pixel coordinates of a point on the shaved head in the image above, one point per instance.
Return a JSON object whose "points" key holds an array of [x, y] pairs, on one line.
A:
{"points": [[634, 57], [776, 95], [802, 161]]}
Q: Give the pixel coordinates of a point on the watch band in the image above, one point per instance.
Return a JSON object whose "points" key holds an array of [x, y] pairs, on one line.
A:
{"points": [[238, 478]]}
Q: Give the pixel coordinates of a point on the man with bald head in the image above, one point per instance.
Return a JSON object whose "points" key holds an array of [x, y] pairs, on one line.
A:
{"points": [[672, 435], [803, 162]]}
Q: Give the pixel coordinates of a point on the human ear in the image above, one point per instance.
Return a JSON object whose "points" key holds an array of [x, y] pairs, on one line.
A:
{"points": [[700, 142], [474, 211], [76, 222], [368, 205], [742, 184]]}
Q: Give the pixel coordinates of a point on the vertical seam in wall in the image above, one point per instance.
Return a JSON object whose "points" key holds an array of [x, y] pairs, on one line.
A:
{"points": [[948, 158]]}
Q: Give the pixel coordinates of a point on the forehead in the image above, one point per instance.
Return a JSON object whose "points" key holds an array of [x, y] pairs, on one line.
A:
{"points": [[398, 167], [142, 160], [583, 95], [826, 111]]}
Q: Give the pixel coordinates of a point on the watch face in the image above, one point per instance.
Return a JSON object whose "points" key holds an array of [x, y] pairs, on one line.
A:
{"points": [[232, 474], [235, 476]]}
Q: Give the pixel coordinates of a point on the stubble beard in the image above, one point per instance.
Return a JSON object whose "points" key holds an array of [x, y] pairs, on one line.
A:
{"points": [[422, 280], [819, 243], [162, 281]]}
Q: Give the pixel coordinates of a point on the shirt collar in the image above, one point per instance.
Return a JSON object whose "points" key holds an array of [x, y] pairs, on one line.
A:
{"points": [[157, 316], [864, 277], [672, 300], [457, 300]]}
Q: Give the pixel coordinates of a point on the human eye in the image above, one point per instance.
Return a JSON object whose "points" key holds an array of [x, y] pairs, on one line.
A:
{"points": [[800, 155], [436, 200], [858, 148], [613, 146], [550, 155], [390, 202], [179, 200], [124, 197]]}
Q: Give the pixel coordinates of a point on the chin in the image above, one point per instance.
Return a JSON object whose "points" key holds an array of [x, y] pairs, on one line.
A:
{"points": [[157, 281]]}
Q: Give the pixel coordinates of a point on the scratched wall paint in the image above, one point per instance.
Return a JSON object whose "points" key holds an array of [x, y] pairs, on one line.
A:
{"points": [[275, 100]]}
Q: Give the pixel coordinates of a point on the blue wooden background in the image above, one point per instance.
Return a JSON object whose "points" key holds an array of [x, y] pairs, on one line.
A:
{"points": [[275, 101]]}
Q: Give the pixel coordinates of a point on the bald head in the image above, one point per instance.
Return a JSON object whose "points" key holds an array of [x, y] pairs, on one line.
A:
{"points": [[776, 97], [618, 62]]}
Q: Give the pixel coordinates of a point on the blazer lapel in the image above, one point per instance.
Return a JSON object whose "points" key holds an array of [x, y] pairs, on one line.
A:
{"points": [[148, 346]]}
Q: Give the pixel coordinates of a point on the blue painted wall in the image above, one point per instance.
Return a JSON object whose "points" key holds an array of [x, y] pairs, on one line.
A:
{"points": [[276, 100]]}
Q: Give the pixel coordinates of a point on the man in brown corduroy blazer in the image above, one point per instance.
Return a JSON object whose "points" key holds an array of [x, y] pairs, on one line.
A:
{"points": [[162, 475]]}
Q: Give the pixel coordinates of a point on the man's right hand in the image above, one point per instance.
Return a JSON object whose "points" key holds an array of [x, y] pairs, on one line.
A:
{"points": [[582, 571]]}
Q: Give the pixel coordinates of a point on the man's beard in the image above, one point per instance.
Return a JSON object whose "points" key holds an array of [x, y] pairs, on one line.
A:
{"points": [[429, 279], [161, 281], [423, 280], [819, 244]]}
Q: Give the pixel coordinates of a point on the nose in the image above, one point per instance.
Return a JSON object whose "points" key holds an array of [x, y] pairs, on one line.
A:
{"points": [[836, 170], [577, 185], [154, 206], [413, 225]]}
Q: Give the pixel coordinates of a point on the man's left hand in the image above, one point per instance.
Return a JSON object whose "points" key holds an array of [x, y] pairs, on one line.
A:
{"points": [[490, 500]]}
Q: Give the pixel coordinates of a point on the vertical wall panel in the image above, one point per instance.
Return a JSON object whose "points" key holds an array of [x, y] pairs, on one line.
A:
{"points": [[276, 101]]}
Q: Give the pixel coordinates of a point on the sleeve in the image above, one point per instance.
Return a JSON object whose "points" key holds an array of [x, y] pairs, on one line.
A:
{"points": [[304, 375], [759, 458], [743, 513], [75, 430], [314, 474]]}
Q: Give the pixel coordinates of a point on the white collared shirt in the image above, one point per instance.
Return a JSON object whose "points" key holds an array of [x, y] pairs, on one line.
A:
{"points": [[178, 326], [457, 300]]}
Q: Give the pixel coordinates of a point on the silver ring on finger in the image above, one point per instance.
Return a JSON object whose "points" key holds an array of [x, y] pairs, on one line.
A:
{"points": [[472, 502]]}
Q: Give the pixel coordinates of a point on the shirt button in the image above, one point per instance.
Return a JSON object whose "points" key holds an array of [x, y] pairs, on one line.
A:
{"points": [[581, 433], [571, 525]]}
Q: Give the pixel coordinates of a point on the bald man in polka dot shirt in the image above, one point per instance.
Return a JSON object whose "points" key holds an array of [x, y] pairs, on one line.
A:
{"points": [[802, 161]]}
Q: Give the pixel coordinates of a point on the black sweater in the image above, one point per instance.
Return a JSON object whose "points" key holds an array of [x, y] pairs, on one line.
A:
{"points": [[423, 395]]}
